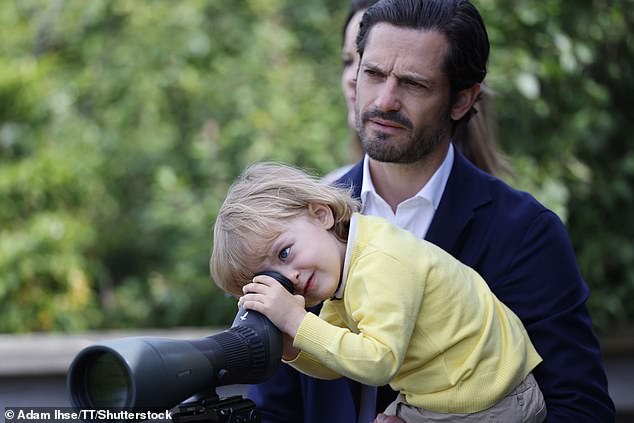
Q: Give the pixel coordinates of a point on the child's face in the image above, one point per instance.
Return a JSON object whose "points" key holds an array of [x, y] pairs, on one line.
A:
{"points": [[309, 254]]}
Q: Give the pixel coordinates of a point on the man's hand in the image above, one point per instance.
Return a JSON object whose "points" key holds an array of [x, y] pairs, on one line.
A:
{"points": [[269, 297]]}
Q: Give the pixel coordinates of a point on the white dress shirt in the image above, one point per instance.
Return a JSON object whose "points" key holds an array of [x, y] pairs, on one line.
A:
{"points": [[416, 213]]}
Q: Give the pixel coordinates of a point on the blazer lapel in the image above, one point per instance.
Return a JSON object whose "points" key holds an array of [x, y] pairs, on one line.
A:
{"points": [[464, 193], [353, 178]]}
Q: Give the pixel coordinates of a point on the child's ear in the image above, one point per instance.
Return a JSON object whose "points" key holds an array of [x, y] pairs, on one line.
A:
{"points": [[323, 214]]}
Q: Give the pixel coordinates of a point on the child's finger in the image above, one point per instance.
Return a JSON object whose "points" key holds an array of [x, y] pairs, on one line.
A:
{"points": [[252, 287], [250, 297], [265, 280]]}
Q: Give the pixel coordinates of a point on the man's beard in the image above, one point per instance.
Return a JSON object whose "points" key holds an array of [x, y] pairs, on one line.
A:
{"points": [[417, 145]]}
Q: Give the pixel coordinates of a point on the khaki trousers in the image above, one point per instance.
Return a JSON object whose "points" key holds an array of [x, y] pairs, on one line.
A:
{"points": [[525, 404]]}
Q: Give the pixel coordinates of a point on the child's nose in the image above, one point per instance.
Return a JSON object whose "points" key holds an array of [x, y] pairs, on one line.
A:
{"points": [[291, 275], [295, 278]]}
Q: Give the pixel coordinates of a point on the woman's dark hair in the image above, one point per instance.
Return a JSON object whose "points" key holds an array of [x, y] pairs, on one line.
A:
{"points": [[460, 22], [355, 6]]}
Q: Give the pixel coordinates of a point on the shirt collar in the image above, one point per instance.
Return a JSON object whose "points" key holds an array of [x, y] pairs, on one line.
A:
{"points": [[431, 192]]}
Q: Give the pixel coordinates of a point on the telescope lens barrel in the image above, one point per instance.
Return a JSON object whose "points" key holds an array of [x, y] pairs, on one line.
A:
{"points": [[100, 380], [107, 381], [158, 373]]}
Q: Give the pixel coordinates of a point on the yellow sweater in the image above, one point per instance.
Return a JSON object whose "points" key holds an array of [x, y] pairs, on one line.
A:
{"points": [[415, 317]]}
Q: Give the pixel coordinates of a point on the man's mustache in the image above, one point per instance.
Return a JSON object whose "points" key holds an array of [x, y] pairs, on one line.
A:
{"points": [[387, 116]]}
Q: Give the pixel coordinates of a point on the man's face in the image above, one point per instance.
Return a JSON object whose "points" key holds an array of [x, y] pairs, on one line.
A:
{"points": [[402, 94]]}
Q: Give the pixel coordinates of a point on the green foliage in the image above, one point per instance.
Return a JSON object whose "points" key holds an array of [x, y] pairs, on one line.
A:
{"points": [[122, 124], [564, 73]]}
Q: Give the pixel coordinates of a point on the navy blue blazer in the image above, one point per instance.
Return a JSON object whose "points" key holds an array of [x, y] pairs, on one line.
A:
{"points": [[523, 252]]}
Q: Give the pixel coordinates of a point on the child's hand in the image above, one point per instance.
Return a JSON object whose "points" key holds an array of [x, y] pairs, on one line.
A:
{"points": [[269, 297]]}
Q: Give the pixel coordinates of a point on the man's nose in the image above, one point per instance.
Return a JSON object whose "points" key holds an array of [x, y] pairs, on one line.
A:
{"points": [[387, 98]]}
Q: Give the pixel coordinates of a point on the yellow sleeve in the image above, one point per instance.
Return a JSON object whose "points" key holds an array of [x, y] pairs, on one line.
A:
{"points": [[382, 301], [308, 364]]}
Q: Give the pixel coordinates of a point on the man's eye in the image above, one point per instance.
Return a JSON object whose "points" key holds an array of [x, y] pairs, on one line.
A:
{"points": [[374, 75], [283, 255], [414, 84]]}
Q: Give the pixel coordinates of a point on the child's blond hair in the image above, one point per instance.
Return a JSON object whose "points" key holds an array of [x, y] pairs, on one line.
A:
{"points": [[255, 211]]}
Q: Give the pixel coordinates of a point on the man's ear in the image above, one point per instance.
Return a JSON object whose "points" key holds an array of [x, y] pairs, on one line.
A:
{"points": [[323, 214], [464, 101]]}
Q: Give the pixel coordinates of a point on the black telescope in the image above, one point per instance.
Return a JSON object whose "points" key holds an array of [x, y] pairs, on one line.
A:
{"points": [[156, 374]]}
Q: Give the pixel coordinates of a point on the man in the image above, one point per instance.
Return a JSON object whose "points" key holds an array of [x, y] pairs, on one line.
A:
{"points": [[422, 62]]}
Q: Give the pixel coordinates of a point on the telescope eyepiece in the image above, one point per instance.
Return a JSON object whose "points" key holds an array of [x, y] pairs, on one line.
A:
{"points": [[286, 283]]}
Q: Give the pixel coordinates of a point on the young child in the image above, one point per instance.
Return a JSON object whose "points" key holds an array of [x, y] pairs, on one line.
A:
{"points": [[396, 309]]}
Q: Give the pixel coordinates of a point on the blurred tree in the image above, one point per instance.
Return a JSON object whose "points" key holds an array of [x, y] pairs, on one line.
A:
{"points": [[564, 76], [122, 125]]}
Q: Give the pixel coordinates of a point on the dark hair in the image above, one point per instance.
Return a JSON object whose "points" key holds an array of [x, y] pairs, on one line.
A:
{"points": [[458, 20], [355, 6]]}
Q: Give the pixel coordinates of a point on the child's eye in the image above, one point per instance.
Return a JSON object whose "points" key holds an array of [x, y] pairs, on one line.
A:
{"points": [[283, 255]]}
